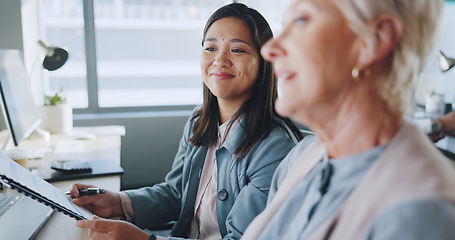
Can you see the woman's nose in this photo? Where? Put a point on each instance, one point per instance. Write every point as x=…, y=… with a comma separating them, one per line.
x=272, y=50
x=222, y=59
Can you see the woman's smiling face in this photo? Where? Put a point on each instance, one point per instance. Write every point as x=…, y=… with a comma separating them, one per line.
x=229, y=60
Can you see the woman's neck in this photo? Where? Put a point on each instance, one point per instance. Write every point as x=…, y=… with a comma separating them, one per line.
x=228, y=109
x=360, y=123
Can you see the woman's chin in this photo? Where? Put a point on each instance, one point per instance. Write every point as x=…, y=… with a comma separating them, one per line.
x=283, y=108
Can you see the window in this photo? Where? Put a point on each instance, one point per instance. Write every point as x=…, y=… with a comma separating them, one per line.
x=148, y=51
x=271, y=10
x=142, y=52
x=64, y=27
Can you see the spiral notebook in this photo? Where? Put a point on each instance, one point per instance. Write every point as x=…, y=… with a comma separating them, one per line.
x=22, y=180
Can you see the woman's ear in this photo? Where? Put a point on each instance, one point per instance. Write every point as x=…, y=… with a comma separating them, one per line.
x=387, y=30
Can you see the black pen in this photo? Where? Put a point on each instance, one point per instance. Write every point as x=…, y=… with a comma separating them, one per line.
x=89, y=191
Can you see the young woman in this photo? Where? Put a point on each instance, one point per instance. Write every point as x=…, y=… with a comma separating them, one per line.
x=230, y=147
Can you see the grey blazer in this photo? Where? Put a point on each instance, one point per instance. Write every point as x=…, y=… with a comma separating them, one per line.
x=243, y=186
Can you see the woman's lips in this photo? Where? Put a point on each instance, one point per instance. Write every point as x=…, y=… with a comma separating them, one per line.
x=285, y=76
x=222, y=75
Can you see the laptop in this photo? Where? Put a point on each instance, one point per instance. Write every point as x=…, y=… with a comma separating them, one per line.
x=21, y=217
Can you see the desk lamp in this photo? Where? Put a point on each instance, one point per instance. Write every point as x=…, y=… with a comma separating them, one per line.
x=55, y=56
x=445, y=63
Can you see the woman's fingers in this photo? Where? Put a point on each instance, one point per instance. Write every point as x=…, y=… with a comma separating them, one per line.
x=76, y=187
x=100, y=229
x=97, y=224
x=85, y=200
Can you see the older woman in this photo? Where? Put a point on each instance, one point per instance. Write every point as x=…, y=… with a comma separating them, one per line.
x=230, y=147
x=347, y=67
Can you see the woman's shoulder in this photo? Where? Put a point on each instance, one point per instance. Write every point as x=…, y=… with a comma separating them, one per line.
x=407, y=219
x=280, y=128
x=295, y=152
x=280, y=136
x=187, y=131
x=194, y=116
x=195, y=113
x=284, y=167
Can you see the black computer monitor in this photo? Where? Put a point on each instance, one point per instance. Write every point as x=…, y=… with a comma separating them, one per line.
x=20, y=109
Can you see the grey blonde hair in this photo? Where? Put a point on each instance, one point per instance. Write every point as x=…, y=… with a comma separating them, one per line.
x=421, y=20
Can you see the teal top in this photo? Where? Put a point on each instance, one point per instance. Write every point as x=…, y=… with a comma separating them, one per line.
x=323, y=191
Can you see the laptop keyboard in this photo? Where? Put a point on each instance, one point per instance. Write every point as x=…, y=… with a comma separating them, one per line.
x=7, y=201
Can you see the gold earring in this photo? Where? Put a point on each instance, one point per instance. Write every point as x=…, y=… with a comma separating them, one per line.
x=355, y=73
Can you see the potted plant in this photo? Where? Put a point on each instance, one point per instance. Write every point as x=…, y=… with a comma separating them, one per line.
x=56, y=114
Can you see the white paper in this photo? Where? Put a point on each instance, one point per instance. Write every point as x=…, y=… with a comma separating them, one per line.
x=16, y=172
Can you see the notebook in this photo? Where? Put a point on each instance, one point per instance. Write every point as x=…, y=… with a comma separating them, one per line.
x=22, y=180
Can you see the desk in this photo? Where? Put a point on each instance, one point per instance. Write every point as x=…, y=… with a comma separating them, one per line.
x=60, y=226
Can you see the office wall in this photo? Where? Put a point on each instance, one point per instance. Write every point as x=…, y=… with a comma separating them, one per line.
x=149, y=146
x=10, y=25
x=20, y=29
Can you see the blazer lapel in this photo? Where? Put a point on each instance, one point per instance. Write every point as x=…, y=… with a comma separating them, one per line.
x=189, y=197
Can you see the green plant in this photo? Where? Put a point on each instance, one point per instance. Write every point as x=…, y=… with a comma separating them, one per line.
x=57, y=99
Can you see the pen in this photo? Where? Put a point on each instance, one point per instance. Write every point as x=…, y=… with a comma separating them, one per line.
x=89, y=191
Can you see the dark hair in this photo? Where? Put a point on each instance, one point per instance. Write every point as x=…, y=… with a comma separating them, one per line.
x=258, y=110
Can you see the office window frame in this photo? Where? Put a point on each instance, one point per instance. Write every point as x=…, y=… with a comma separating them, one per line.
x=92, y=72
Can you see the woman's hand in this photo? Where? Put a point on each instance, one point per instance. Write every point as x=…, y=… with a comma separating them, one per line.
x=111, y=229
x=105, y=205
x=448, y=123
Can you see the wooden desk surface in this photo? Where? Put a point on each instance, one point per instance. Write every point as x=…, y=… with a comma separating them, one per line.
x=60, y=226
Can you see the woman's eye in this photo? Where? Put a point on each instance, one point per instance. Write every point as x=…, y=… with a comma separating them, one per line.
x=237, y=50
x=300, y=21
x=210, y=49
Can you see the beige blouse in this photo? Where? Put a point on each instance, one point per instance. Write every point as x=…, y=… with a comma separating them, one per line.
x=205, y=222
